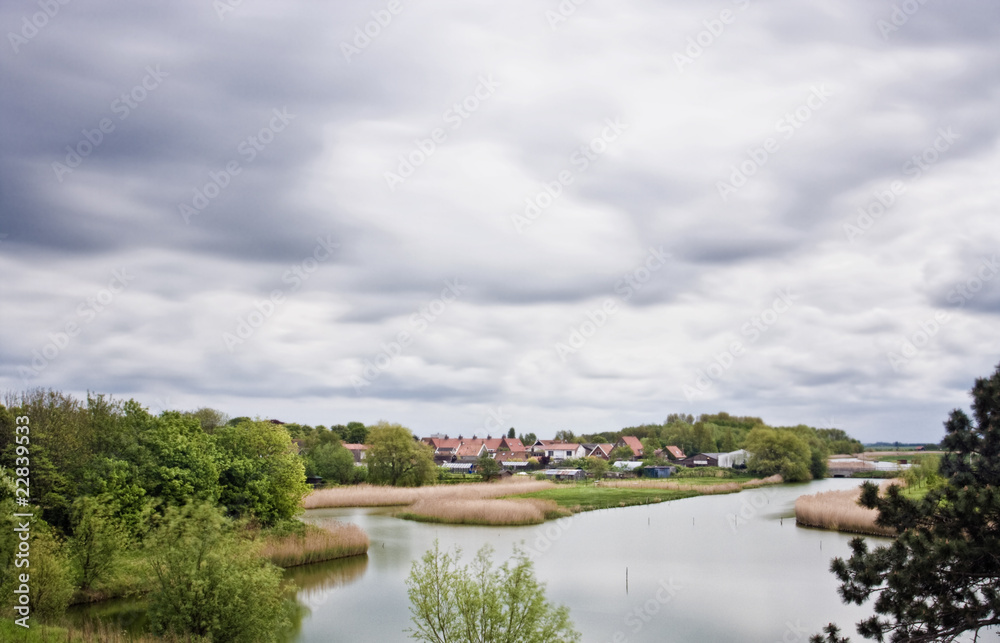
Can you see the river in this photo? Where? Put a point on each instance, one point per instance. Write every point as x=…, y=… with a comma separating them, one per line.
x=711, y=568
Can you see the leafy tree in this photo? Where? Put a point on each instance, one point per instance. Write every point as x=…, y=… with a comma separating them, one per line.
x=529, y=439
x=260, y=476
x=333, y=463
x=778, y=451
x=116, y=484
x=96, y=542
x=395, y=458
x=488, y=467
x=210, y=419
x=511, y=433
x=623, y=452
x=209, y=584
x=180, y=460
x=940, y=578
x=565, y=435
x=482, y=604
x=357, y=433
x=596, y=467
x=51, y=585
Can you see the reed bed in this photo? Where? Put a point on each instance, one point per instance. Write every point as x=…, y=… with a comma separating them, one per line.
x=839, y=511
x=316, y=543
x=366, y=495
x=702, y=489
x=489, y=511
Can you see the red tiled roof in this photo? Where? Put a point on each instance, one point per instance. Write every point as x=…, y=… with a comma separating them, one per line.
x=470, y=448
x=633, y=443
x=675, y=452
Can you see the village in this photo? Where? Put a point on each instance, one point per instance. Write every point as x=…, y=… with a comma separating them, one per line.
x=554, y=458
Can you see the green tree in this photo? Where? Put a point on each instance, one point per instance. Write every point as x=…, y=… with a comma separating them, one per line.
x=940, y=578
x=778, y=451
x=596, y=467
x=357, y=433
x=51, y=585
x=260, y=475
x=511, y=433
x=482, y=604
x=621, y=453
x=180, y=462
x=488, y=467
x=529, y=439
x=395, y=458
x=96, y=542
x=333, y=463
x=209, y=584
x=210, y=419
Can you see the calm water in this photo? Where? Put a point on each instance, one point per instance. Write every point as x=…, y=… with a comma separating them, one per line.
x=711, y=568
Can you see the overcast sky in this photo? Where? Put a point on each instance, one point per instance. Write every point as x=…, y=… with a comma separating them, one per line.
x=468, y=215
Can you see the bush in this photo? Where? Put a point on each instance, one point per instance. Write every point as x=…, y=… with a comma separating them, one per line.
x=211, y=585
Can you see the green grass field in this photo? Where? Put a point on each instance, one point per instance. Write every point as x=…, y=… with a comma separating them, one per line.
x=588, y=497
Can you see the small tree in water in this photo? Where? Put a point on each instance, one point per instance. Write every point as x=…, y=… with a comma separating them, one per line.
x=478, y=603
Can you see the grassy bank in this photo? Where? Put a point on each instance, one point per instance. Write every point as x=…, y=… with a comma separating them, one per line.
x=577, y=498
x=9, y=631
x=839, y=511
x=607, y=494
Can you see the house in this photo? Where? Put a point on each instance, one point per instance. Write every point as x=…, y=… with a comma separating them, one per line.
x=558, y=451
x=724, y=460
x=511, y=444
x=357, y=450
x=674, y=453
x=444, y=448
x=701, y=460
x=470, y=451
x=602, y=451
x=631, y=442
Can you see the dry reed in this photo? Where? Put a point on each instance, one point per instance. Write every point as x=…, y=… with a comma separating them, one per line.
x=326, y=541
x=524, y=511
x=840, y=511
x=365, y=495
